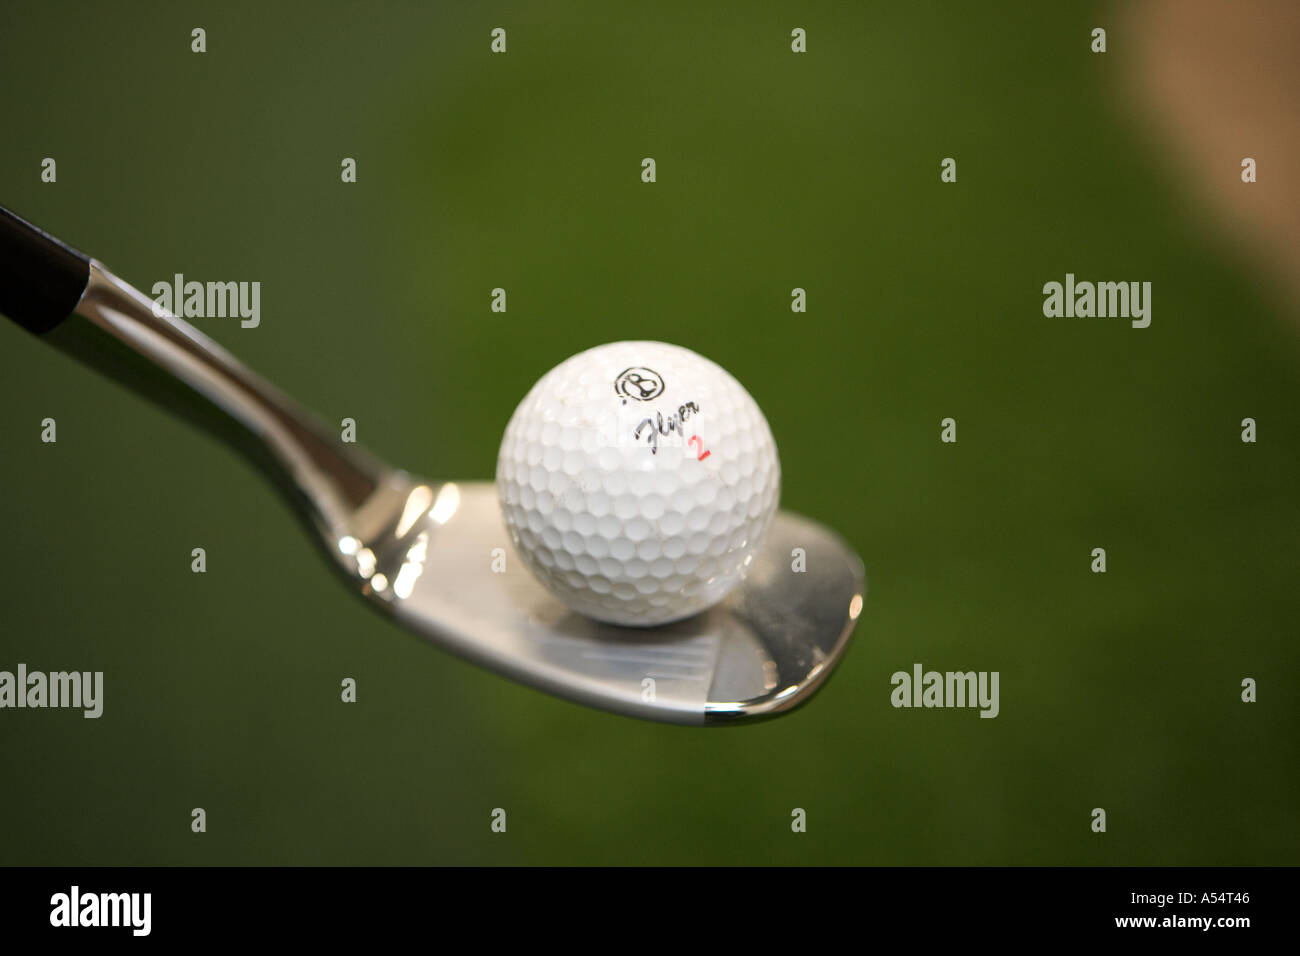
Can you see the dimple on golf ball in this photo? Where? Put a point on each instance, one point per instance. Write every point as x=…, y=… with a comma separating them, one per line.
x=636, y=480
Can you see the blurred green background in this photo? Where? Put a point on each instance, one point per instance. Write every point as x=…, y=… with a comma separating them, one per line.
x=775, y=170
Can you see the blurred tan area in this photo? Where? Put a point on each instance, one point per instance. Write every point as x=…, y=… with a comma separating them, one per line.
x=1219, y=81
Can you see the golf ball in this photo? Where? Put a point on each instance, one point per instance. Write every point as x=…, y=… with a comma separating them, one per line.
x=636, y=480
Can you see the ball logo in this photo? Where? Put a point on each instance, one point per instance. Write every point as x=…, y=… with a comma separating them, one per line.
x=641, y=384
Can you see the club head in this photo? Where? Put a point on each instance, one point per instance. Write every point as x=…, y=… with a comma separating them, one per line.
x=439, y=559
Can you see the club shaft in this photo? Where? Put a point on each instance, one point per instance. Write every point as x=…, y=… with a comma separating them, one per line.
x=77, y=305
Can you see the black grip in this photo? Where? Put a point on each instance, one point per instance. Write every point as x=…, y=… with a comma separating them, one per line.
x=41, y=279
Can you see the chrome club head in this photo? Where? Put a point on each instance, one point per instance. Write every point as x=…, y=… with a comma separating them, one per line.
x=430, y=561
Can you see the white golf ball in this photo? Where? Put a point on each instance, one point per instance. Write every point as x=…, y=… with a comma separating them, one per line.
x=636, y=480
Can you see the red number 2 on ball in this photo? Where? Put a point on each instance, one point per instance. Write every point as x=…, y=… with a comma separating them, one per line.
x=695, y=440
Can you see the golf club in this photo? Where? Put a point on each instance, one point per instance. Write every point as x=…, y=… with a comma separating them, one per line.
x=423, y=550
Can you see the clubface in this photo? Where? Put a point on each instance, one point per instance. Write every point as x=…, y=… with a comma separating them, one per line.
x=448, y=571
